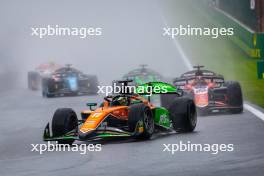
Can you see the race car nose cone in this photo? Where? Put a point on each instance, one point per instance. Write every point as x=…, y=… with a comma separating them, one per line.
x=85, y=135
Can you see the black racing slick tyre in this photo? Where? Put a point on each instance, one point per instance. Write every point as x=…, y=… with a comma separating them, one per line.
x=183, y=114
x=48, y=88
x=33, y=80
x=64, y=121
x=234, y=96
x=141, y=113
x=167, y=99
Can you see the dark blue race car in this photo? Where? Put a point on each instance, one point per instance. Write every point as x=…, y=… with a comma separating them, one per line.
x=68, y=81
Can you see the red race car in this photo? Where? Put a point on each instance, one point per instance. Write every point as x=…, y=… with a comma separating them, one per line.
x=43, y=70
x=211, y=93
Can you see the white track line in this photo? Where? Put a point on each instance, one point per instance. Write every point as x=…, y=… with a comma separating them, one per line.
x=254, y=111
x=188, y=64
x=184, y=57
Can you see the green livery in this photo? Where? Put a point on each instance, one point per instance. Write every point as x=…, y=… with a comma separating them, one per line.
x=162, y=117
x=156, y=88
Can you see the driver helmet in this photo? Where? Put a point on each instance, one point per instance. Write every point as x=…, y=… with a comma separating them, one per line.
x=122, y=101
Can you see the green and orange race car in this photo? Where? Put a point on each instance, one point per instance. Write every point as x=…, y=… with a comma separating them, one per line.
x=124, y=115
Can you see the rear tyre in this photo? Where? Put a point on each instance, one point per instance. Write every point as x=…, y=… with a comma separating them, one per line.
x=47, y=88
x=167, y=99
x=64, y=121
x=183, y=114
x=234, y=96
x=141, y=113
x=33, y=80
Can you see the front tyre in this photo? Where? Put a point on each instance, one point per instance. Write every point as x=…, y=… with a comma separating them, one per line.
x=64, y=121
x=183, y=114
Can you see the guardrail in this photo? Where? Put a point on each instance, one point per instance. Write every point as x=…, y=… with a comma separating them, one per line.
x=252, y=43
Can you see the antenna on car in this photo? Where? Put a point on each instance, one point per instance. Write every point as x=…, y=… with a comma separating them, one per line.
x=68, y=65
x=198, y=67
x=124, y=84
x=198, y=72
x=143, y=66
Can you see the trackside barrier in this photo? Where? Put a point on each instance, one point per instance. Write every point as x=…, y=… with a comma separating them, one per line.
x=252, y=43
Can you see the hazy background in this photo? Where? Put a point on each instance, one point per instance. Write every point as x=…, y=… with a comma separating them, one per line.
x=132, y=35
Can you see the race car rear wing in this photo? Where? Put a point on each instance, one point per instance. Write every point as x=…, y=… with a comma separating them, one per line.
x=184, y=81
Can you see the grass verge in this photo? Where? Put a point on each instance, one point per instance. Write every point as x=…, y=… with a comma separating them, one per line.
x=220, y=55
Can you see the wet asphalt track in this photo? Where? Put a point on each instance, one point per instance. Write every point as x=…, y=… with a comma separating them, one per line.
x=22, y=123
x=24, y=115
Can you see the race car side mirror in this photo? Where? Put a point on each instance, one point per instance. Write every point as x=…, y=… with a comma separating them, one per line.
x=91, y=105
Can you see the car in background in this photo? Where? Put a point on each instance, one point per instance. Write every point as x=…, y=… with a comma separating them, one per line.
x=69, y=81
x=43, y=70
x=211, y=93
x=143, y=75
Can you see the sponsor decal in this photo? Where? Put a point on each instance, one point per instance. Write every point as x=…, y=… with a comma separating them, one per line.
x=96, y=115
x=201, y=97
x=164, y=119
